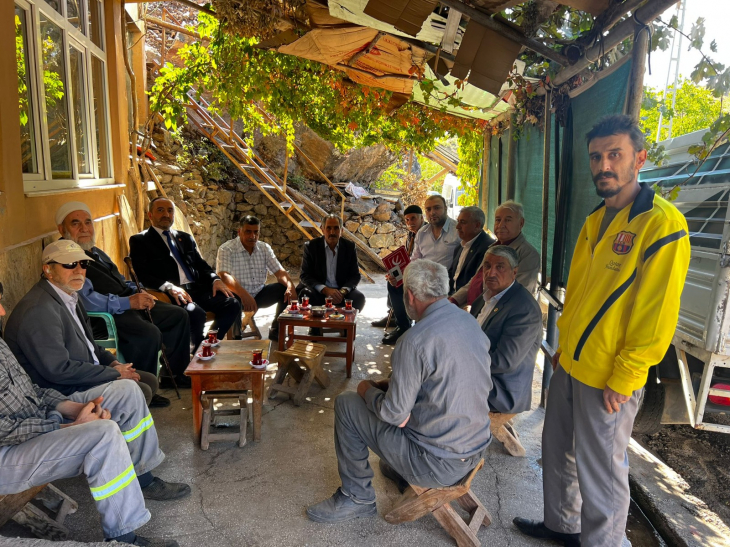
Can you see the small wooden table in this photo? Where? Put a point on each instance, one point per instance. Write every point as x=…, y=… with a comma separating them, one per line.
x=348, y=324
x=229, y=371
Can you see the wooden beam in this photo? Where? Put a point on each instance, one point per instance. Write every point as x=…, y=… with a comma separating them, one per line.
x=164, y=24
x=188, y=3
x=646, y=14
x=443, y=161
x=437, y=175
x=507, y=31
x=452, y=27
x=638, y=68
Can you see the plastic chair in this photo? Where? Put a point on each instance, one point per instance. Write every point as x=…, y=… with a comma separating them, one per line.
x=111, y=341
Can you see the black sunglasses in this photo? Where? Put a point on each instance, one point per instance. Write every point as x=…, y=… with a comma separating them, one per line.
x=83, y=263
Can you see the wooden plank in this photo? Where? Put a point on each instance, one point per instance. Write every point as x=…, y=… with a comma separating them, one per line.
x=10, y=504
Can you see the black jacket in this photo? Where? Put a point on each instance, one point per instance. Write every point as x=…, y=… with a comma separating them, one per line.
x=155, y=265
x=314, y=265
x=105, y=276
x=472, y=262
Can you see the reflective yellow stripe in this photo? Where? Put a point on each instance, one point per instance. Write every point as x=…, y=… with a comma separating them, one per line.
x=142, y=426
x=114, y=485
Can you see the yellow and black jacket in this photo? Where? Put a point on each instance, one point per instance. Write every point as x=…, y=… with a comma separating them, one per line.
x=622, y=298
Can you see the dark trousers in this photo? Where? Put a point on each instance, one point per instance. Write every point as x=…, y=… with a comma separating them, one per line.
x=357, y=429
x=140, y=341
x=227, y=311
x=317, y=299
x=268, y=296
x=399, y=307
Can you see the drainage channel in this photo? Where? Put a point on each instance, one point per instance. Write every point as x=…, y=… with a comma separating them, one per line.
x=640, y=531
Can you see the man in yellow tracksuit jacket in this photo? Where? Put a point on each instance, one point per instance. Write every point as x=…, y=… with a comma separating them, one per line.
x=620, y=312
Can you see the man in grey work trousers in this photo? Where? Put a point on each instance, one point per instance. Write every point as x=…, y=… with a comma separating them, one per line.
x=430, y=422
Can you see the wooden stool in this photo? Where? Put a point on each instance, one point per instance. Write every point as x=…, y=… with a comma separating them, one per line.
x=310, y=357
x=209, y=414
x=248, y=321
x=18, y=508
x=417, y=502
x=504, y=431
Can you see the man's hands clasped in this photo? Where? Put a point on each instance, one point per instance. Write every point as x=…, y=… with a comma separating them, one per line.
x=334, y=294
x=82, y=413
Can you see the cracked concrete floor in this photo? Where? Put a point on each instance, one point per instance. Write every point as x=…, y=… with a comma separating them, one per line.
x=256, y=495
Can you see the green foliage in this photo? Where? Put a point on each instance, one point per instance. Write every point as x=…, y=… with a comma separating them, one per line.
x=695, y=108
x=470, y=164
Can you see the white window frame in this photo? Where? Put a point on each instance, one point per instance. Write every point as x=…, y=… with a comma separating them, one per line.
x=43, y=181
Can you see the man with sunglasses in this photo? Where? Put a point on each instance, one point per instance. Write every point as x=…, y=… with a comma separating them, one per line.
x=106, y=290
x=50, y=334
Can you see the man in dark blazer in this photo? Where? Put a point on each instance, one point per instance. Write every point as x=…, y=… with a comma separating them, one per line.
x=50, y=334
x=106, y=290
x=512, y=320
x=168, y=260
x=329, y=267
x=474, y=243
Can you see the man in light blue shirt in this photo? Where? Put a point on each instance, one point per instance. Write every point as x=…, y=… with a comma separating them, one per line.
x=430, y=422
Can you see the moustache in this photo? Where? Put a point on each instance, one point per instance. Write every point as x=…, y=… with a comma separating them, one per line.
x=605, y=175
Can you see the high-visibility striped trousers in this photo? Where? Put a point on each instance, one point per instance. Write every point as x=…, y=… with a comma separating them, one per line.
x=111, y=453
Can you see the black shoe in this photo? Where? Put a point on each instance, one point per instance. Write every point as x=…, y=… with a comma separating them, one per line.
x=158, y=401
x=392, y=337
x=390, y=473
x=340, y=508
x=315, y=331
x=154, y=542
x=182, y=382
x=274, y=335
x=380, y=322
x=537, y=529
x=163, y=491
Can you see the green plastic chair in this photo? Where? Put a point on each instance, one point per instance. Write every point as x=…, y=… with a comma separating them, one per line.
x=111, y=341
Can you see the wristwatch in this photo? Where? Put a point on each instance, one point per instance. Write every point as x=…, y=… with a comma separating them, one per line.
x=344, y=291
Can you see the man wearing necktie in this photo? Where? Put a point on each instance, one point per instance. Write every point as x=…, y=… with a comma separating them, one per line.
x=168, y=260
x=106, y=290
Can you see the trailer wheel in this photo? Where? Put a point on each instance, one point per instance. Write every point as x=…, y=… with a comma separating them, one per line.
x=651, y=407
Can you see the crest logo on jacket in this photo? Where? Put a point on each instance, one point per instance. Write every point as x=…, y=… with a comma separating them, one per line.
x=623, y=243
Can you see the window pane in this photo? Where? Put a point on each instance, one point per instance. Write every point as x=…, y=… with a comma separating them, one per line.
x=73, y=13
x=54, y=81
x=78, y=103
x=95, y=26
x=27, y=127
x=55, y=4
x=102, y=130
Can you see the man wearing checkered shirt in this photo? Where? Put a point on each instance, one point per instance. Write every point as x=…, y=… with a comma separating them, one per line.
x=244, y=263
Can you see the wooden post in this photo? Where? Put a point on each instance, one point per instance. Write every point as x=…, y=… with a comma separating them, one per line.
x=545, y=186
x=638, y=68
x=164, y=37
x=286, y=170
x=485, y=171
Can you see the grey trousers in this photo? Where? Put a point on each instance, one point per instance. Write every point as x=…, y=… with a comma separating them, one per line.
x=585, y=464
x=357, y=429
x=111, y=453
x=148, y=384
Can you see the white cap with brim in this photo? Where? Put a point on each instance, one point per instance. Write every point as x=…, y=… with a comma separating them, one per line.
x=64, y=251
x=67, y=208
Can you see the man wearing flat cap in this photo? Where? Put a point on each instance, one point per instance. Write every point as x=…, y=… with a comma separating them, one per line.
x=413, y=217
x=106, y=290
x=50, y=334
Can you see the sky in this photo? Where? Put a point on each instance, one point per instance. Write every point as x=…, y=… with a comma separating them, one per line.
x=717, y=18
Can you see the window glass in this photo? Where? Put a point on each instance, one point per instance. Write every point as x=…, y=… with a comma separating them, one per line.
x=95, y=26
x=55, y=4
x=78, y=103
x=73, y=13
x=25, y=99
x=54, y=81
x=102, y=141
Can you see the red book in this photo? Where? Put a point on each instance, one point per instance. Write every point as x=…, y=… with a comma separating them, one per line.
x=396, y=262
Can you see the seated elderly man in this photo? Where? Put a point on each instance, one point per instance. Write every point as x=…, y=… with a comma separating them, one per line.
x=474, y=242
x=430, y=422
x=106, y=290
x=511, y=318
x=509, y=220
x=50, y=334
x=46, y=436
x=243, y=264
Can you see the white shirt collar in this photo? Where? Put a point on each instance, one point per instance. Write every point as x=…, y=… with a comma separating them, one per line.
x=68, y=299
x=468, y=244
x=160, y=231
x=498, y=296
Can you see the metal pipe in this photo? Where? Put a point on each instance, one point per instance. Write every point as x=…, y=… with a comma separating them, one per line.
x=545, y=187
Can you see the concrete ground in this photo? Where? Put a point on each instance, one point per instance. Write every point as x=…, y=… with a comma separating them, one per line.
x=257, y=495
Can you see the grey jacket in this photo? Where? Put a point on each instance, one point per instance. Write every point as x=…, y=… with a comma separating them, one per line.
x=514, y=329
x=50, y=346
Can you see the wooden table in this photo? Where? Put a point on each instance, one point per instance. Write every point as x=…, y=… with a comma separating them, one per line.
x=348, y=324
x=229, y=371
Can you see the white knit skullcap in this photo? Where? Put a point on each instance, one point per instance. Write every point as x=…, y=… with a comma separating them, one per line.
x=68, y=208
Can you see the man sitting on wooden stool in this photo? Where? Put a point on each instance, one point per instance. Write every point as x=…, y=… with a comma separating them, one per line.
x=47, y=436
x=430, y=422
x=243, y=264
x=511, y=318
x=329, y=268
x=169, y=260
